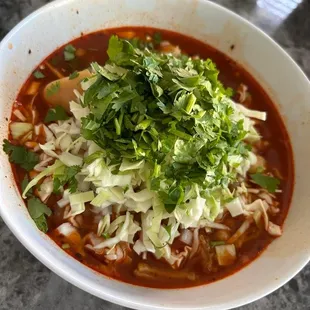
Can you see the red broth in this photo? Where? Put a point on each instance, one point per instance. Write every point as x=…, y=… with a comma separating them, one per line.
x=278, y=155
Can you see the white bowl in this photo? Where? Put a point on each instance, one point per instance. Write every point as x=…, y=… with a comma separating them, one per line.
x=61, y=21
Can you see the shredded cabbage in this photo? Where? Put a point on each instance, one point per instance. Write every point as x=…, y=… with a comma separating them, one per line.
x=48, y=171
x=81, y=197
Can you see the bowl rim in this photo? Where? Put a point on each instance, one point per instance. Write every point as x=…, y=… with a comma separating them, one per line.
x=79, y=281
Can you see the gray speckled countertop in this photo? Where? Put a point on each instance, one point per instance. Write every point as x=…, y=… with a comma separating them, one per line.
x=26, y=284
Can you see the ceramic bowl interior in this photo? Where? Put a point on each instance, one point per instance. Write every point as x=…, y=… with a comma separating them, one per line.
x=63, y=20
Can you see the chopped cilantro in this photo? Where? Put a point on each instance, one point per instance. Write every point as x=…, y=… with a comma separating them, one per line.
x=172, y=112
x=56, y=114
x=24, y=184
x=41, y=223
x=19, y=155
x=157, y=38
x=265, y=181
x=38, y=212
x=66, y=176
x=69, y=52
x=53, y=89
x=38, y=75
x=74, y=75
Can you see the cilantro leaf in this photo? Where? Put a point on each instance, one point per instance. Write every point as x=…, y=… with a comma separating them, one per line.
x=157, y=38
x=38, y=212
x=56, y=114
x=53, y=89
x=115, y=47
x=36, y=208
x=19, y=155
x=119, y=51
x=41, y=223
x=265, y=181
x=38, y=75
x=24, y=184
x=67, y=177
x=74, y=75
x=174, y=197
x=69, y=52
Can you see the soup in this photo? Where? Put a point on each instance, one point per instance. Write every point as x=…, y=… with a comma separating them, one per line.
x=151, y=157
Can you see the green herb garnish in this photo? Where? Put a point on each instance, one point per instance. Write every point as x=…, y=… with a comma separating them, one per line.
x=24, y=184
x=157, y=38
x=66, y=176
x=53, y=89
x=269, y=183
x=69, y=52
x=74, y=75
x=19, y=155
x=56, y=114
x=38, y=75
x=38, y=212
x=173, y=112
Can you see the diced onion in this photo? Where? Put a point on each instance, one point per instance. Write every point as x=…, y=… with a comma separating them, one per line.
x=206, y=223
x=235, y=207
x=63, y=202
x=77, y=208
x=226, y=254
x=186, y=236
x=19, y=115
x=45, y=189
x=70, y=233
x=195, y=244
x=42, y=165
x=19, y=129
x=37, y=129
x=48, y=134
x=274, y=230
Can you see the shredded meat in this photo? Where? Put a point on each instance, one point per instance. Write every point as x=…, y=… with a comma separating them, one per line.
x=207, y=255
